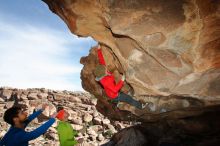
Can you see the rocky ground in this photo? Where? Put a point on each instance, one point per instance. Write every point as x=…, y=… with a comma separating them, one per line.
x=94, y=128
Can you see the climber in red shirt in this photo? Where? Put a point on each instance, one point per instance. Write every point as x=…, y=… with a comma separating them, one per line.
x=112, y=88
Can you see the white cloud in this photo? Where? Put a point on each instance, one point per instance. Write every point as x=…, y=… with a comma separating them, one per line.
x=38, y=57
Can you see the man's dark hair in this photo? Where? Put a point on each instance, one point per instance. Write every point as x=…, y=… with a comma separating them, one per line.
x=10, y=114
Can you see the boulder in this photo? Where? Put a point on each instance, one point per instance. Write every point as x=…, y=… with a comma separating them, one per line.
x=87, y=117
x=166, y=49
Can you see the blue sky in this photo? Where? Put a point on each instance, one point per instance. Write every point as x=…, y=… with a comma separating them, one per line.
x=37, y=49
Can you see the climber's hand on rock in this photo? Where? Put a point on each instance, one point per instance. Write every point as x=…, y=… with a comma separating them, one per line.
x=99, y=47
x=123, y=78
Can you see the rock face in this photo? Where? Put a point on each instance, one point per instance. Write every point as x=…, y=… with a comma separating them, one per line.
x=193, y=131
x=168, y=50
x=163, y=47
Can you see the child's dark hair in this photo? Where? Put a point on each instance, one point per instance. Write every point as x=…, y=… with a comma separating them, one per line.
x=10, y=114
x=59, y=108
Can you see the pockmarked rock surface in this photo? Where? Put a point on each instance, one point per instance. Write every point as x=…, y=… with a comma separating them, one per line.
x=168, y=50
x=165, y=48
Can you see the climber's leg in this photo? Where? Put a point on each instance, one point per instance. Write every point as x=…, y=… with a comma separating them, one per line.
x=128, y=99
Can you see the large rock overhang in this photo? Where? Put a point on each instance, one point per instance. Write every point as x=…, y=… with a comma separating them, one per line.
x=168, y=50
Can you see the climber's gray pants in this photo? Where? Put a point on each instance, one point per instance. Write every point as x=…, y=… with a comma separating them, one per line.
x=122, y=97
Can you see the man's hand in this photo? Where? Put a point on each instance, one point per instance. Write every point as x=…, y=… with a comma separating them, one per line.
x=53, y=115
x=44, y=106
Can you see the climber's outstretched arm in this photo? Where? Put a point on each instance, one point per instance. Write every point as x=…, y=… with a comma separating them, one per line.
x=100, y=56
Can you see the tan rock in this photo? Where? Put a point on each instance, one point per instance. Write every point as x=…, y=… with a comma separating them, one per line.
x=75, y=99
x=120, y=126
x=77, y=127
x=97, y=121
x=87, y=117
x=96, y=128
x=6, y=94
x=2, y=133
x=112, y=128
x=77, y=120
x=106, y=121
x=92, y=132
x=94, y=101
x=32, y=96
x=9, y=104
x=2, y=100
x=23, y=97
x=101, y=137
x=95, y=113
x=42, y=95
x=59, y=96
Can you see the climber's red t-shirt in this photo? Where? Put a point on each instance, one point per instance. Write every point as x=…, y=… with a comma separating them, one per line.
x=108, y=81
x=110, y=87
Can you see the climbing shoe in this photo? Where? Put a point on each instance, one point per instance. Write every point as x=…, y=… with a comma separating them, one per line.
x=152, y=107
x=144, y=105
x=119, y=104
